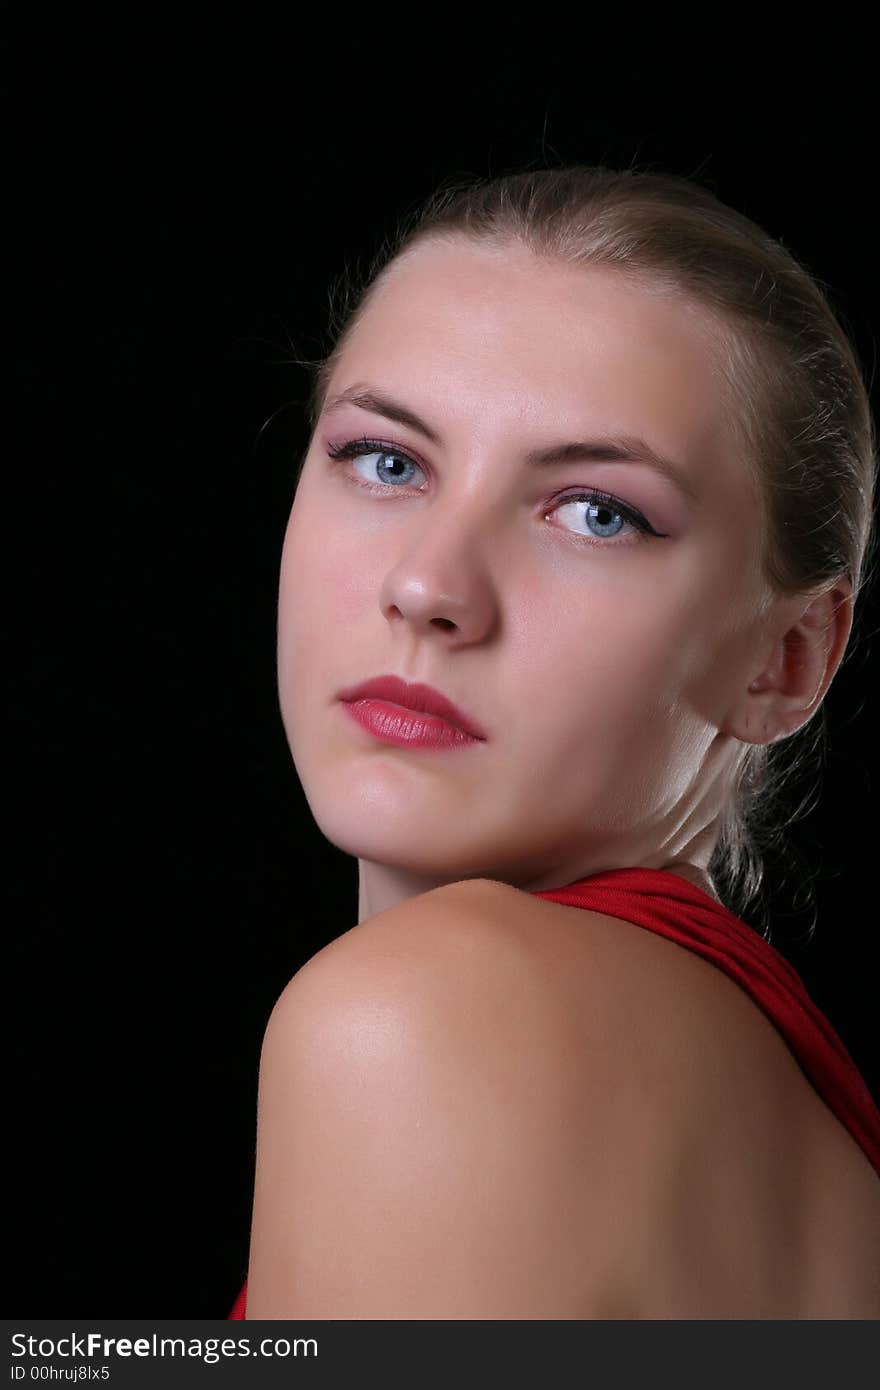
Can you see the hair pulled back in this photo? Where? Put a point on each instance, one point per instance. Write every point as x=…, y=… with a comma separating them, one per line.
x=795, y=400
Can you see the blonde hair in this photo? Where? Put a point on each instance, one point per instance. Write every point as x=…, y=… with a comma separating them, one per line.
x=796, y=400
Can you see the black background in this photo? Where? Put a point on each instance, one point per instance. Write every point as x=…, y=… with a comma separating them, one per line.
x=177, y=220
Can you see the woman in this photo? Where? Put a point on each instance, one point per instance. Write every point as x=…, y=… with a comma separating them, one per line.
x=593, y=459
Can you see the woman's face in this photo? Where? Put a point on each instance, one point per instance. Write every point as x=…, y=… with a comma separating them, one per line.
x=601, y=660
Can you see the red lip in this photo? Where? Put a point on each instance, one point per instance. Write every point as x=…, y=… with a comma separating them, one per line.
x=416, y=697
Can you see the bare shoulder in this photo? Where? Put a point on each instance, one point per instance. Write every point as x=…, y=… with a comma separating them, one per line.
x=753, y=1199
x=480, y=964
x=682, y=1073
x=484, y=1104
x=416, y=1156
x=441, y=976
x=456, y=939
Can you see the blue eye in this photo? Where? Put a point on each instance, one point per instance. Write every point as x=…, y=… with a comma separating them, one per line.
x=367, y=448
x=603, y=510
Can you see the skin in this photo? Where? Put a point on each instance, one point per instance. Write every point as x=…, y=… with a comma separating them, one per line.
x=617, y=681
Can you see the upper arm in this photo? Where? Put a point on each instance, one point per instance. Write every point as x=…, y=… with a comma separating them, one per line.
x=413, y=1156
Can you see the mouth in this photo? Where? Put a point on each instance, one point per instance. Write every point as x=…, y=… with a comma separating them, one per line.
x=415, y=698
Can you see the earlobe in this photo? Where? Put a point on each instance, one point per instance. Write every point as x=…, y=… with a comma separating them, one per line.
x=811, y=640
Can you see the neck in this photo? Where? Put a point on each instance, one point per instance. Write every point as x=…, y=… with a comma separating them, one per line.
x=381, y=887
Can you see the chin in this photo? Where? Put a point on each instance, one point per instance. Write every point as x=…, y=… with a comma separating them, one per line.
x=399, y=841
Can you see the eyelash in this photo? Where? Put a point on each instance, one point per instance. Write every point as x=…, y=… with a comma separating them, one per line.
x=357, y=448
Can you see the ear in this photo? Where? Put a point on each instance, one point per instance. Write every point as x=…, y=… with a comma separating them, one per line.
x=806, y=646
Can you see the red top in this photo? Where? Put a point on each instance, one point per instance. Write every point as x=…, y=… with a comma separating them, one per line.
x=674, y=907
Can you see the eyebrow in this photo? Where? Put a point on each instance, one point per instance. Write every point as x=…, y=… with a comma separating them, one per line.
x=616, y=448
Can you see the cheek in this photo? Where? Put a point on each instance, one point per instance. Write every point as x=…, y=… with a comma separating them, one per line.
x=620, y=629
x=634, y=644
x=322, y=589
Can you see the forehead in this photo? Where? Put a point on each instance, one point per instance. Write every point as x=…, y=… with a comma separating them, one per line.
x=479, y=333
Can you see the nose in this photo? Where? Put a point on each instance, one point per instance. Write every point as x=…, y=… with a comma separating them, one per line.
x=441, y=582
